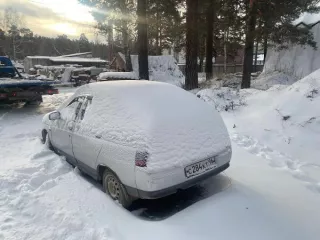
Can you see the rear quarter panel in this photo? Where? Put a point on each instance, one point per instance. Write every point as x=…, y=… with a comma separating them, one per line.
x=121, y=160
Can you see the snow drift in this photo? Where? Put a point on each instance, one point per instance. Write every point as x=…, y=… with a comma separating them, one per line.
x=287, y=118
x=161, y=68
x=298, y=60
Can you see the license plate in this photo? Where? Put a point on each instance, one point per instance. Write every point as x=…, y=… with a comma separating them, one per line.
x=200, y=167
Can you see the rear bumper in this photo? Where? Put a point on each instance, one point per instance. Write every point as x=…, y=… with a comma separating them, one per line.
x=173, y=189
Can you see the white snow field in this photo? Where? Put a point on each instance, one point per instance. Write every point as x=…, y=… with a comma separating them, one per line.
x=271, y=190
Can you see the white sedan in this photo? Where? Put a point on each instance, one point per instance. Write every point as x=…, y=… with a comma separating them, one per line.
x=142, y=139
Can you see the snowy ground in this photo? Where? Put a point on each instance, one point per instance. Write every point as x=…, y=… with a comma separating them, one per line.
x=263, y=195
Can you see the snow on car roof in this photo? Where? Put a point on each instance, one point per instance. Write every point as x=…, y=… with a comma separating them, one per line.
x=170, y=123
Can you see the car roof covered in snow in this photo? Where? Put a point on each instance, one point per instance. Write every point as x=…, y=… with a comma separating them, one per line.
x=167, y=121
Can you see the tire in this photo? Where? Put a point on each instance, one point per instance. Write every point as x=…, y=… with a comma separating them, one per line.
x=115, y=189
x=46, y=140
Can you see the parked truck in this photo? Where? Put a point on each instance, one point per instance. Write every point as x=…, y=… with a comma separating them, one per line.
x=15, y=88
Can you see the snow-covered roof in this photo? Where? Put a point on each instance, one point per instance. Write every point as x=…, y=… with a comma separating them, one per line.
x=39, y=57
x=76, y=54
x=73, y=59
x=308, y=19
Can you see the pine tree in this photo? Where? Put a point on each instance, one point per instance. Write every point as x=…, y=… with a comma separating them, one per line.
x=249, y=45
x=84, y=45
x=277, y=28
x=164, y=24
x=122, y=13
x=210, y=18
x=191, y=80
x=143, y=39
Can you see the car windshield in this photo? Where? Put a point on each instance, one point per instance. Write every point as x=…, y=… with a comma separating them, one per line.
x=160, y=119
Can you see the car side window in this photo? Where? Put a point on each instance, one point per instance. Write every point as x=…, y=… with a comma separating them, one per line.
x=83, y=109
x=71, y=110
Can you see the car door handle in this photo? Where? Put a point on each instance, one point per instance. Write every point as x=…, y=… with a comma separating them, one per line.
x=98, y=136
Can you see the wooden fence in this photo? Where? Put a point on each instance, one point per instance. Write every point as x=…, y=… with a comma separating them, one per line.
x=219, y=68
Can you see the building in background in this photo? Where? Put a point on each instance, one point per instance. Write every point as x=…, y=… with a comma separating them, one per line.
x=79, y=59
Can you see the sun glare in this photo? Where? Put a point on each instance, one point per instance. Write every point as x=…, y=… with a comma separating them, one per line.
x=64, y=28
x=69, y=9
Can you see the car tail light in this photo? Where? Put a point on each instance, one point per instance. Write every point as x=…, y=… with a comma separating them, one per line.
x=3, y=95
x=52, y=91
x=14, y=94
x=141, y=159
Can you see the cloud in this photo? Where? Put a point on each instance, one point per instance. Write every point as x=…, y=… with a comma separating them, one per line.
x=41, y=19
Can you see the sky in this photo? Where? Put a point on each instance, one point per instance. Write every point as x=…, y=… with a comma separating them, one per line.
x=54, y=17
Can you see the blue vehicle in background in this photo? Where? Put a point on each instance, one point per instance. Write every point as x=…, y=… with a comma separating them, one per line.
x=15, y=88
x=7, y=69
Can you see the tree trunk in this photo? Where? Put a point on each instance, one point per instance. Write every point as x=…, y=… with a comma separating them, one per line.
x=225, y=39
x=125, y=36
x=126, y=47
x=265, y=47
x=256, y=56
x=191, y=81
x=157, y=34
x=201, y=61
x=249, y=45
x=209, y=43
x=160, y=39
x=143, y=39
x=110, y=39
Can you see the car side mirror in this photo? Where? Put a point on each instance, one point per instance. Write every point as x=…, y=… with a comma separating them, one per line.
x=54, y=116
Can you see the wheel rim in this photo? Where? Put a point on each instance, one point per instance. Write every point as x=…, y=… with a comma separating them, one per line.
x=113, y=187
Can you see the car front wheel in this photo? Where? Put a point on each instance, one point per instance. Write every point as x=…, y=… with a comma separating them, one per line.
x=46, y=139
x=115, y=189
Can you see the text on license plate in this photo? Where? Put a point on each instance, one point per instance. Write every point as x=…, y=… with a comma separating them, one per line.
x=200, y=167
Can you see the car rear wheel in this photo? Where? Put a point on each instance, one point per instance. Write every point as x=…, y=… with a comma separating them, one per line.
x=115, y=189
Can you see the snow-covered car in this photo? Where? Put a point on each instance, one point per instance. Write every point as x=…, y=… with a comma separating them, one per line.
x=142, y=139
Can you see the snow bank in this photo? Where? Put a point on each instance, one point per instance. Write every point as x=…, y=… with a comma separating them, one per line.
x=270, y=79
x=280, y=123
x=225, y=99
x=171, y=124
x=162, y=69
x=297, y=61
x=286, y=118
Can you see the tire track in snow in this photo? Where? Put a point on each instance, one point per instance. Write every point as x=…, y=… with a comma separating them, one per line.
x=307, y=173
